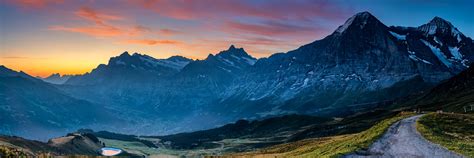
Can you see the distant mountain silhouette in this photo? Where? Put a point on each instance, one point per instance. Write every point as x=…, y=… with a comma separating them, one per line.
x=57, y=78
x=36, y=109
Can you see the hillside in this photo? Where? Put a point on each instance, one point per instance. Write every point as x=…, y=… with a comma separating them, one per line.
x=273, y=129
x=73, y=144
x=454, y=95
x=333, y=146
x=35, y=109
x=247, y=135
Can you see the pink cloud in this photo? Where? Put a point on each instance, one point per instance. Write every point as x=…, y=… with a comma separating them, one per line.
x=298, y=20
x=34, y=4
x=96, y=31
x=102, y=25
x=277, y=9
x=140, y=28
x=269, y=28
x=92, y=15
x=150, y=42
x=168, y=32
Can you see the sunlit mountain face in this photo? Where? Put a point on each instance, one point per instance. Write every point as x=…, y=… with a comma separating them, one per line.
x=184, y=75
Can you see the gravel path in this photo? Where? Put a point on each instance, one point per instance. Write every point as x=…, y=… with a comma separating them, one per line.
x=403, y=140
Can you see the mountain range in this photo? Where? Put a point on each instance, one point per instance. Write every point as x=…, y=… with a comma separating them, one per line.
x=362, y=65
x=56, y=78
x=36, y=109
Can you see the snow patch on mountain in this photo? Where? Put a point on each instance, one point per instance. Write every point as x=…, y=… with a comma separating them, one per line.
x=119, y=62
x=346, y=25
x=226, y=61
x=412, y=56
x=455, y=52
x=437, y=52
x=56, y=78
x=398, y=36
x=441, y=25
x=438, y=41
x=455, y=32
x=178, y=65
x=250, y=61
x=170, y=63
x=430, y=29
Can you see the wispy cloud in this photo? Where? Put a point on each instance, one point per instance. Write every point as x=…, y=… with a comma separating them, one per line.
x=100, y=27
x=96, y=31
x=255, y=23
x=140, y=28
x=20, y=57
x=98, y=17
x=168, y=32
x=33, y=4
x=269, y=28
x=277, y=9
x=150, y=42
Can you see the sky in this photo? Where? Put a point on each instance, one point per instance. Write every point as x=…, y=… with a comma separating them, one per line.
x=41, y=37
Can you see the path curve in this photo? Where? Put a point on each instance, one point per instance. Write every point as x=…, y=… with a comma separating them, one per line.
x=403, y=140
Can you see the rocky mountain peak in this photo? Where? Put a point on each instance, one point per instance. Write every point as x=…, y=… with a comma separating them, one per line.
x=233, y=51
x=54, y=75
x=4, y=71
x=236, y=54
x=124, y=54
x=359, y=21
x=440, y=25
x=125, y=59
x=7, y=72
x=122, y=59
x=146, y=62
x=364, y=16
x=56, y=78
x=179, y=58
x=137, y=54
x=232, y=47
x=440, y=22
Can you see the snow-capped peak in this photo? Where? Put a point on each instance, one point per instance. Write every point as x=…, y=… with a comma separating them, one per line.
x=360, y=18
x=233, y=57
x=146, y=62
x=438, y=24
x=234, y=52
x=56, y=78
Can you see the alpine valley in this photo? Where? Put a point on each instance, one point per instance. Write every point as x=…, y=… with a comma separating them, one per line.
x=343, y=83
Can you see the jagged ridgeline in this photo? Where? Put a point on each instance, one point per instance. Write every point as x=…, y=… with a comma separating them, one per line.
x=363, y=64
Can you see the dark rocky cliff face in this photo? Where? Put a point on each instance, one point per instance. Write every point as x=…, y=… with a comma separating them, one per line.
x=362, y=62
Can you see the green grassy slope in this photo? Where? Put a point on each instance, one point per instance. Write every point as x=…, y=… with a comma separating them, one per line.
x=332, y=146
x=453, y=131
x=277, y=127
